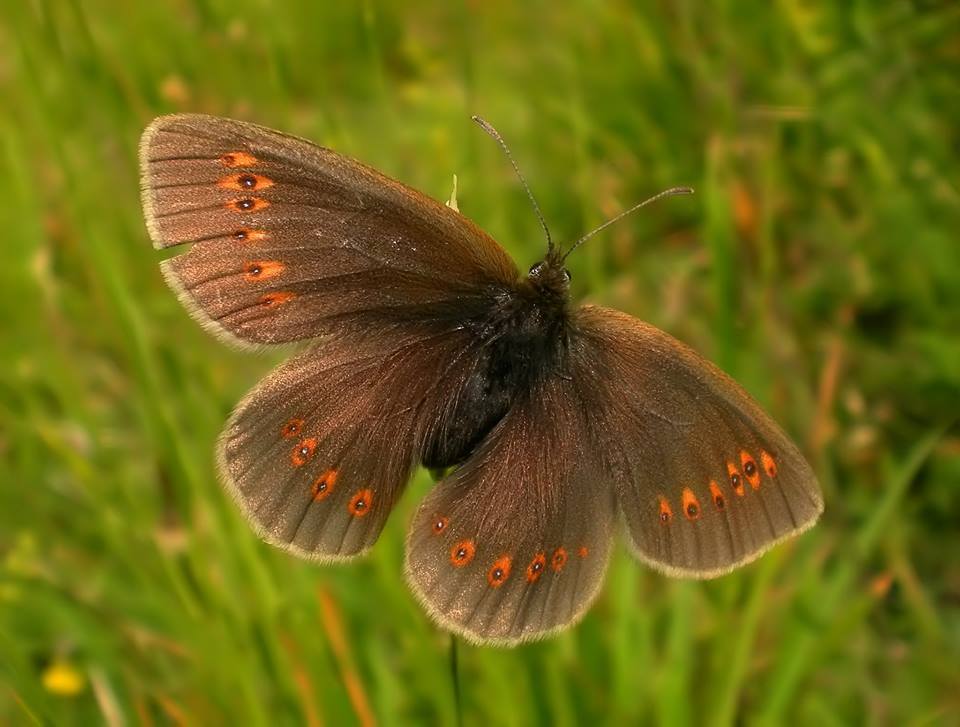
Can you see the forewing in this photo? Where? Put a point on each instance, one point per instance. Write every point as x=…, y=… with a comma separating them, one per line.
x=705, y=479
x=318, y=453
x=291, y=240
x=514, y=544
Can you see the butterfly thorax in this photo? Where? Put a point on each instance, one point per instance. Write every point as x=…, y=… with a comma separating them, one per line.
x=521, y=339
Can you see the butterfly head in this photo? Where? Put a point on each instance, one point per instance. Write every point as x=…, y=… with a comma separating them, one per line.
x=550, y=278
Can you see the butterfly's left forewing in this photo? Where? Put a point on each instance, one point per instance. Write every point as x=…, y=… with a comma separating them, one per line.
x=318, y=453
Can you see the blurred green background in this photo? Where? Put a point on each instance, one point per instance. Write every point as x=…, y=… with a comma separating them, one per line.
x=819, y=263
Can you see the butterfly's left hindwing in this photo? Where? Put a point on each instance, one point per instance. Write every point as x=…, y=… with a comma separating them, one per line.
x=318, y=453
x=705, y=479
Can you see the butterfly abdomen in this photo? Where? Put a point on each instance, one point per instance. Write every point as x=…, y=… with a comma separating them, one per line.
x=520, y=341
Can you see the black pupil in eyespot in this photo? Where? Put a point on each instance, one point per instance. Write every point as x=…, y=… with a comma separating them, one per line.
x=497, y=574
x=461, y=553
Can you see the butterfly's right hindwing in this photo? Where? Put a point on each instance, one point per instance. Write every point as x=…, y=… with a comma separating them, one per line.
x=705, y=479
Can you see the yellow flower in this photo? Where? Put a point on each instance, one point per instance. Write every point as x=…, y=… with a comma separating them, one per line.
x=63, y=679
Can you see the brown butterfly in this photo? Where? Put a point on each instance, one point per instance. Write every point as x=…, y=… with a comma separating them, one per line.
x=427, y=347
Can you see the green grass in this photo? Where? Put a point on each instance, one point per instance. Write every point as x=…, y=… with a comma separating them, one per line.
x=819, y=263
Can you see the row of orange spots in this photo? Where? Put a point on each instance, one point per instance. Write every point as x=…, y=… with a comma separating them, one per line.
x=243, y=182
x=463, y=551
x=323, y=486
x=691, y=505
x=254, y=270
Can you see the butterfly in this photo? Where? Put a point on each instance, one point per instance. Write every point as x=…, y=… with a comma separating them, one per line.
x=427, y=346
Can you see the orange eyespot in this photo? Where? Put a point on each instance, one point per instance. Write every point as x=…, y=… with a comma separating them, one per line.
x=536, y=567
x=558, y=559
x=691, y=505
x=666, y=512
x=439, y=525
x=303, y=452
x=244, y=182
x=247, y=204
x=736, y=482
x=322, y=487
x=291, y=428
x=499, y=571
x=462, y=553
x=238, y=159
x=583, y=551
x=272, y=300
x=750, y=470
x=360, y=503
x=262, y=270
x=717, y=494
x=769, y=464
x=247, y=235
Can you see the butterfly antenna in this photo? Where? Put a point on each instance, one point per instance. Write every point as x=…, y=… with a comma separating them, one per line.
x=665, y=193
x=506, y=150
